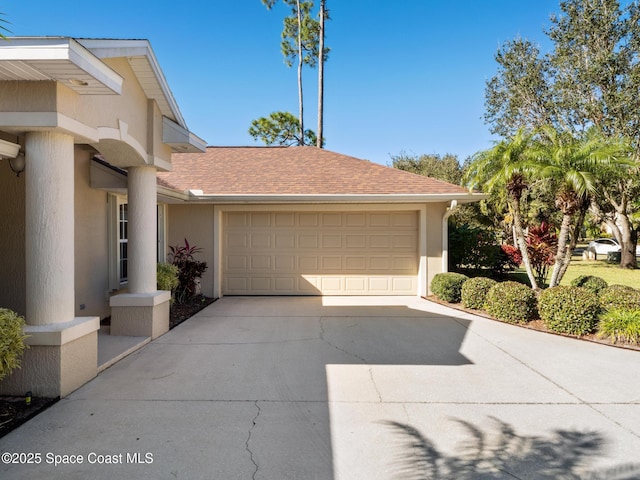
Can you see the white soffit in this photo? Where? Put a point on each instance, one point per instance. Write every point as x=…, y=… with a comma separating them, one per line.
x=146, y=67
x=59, y=59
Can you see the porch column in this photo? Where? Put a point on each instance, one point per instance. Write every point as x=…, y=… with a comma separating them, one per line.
x=143, y=311
x=63, y=348
x=49, y=229
x=142, y=229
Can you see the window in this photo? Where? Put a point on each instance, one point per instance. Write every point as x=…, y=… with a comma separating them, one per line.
x=123, y=242
x=118, y=231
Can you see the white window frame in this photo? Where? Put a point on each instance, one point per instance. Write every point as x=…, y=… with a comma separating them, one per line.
x=114, y=205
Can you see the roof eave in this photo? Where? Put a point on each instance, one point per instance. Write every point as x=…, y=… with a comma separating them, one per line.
x=198, y=197
x=130, y=49
x=79, y=69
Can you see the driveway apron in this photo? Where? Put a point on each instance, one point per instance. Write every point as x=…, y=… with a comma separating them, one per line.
x=343, y=388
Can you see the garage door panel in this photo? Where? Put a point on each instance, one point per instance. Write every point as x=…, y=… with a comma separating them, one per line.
x=285, y=240
x=308, y=220
x=333, y=240
x=285, y=263
x=260, y=240
x=331, y=263
x=237, y=262
x=355, y=241
x=330, y=220
x=338, y=253
x=308, y=240
x=261, y=262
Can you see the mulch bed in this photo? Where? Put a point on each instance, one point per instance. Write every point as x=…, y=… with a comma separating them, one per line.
x=537, y=325
x=181, y=312
x=14, y=411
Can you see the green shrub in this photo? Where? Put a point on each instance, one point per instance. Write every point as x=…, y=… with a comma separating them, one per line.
x=474, y=292
x=11, y=341
x=511, y=302
x=167, y=276
x=448, y=286
x=621, y=297
x=590, y=282
x=568, y=309
x=620, y=326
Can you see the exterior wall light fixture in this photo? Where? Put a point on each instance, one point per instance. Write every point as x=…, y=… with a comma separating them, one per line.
x=17, y=163
x=16, y=157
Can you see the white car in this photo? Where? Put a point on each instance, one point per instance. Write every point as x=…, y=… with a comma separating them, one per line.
x=602, y=246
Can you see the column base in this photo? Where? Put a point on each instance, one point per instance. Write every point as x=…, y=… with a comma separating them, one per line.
x=140, y=314
x=61, y=358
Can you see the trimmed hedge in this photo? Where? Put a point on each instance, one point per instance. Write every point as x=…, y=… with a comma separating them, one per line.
x=448, y=286
x=11, y=341
x=620, y=297
x=511, y=302
x=590, y=282
x=474, y=292
x=620, y=326
x=568, y=309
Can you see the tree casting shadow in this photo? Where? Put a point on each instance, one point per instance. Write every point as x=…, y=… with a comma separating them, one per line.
x=502, y=454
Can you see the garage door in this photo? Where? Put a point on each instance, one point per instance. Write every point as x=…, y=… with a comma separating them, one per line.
x=320, y=253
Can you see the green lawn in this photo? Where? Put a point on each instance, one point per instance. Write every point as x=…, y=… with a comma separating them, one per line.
x=612, y=274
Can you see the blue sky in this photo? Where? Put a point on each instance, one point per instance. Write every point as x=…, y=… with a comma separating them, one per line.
x=405, y=75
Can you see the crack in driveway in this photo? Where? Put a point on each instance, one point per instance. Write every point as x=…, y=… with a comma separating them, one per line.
x=246, y=445
x=322, y=337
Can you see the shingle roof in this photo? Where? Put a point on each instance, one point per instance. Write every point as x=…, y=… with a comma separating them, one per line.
x=292, y=170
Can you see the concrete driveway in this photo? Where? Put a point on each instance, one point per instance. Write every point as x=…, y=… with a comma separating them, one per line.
x=345, y=388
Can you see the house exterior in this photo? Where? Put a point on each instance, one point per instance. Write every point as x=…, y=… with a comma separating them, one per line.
x=113, y=176
x=308, y=221
x=76, y=243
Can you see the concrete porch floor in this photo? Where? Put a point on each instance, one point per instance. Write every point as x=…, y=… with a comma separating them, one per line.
x=112, y=348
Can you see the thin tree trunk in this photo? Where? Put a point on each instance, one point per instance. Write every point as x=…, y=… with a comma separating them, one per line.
x=562, y=250
x=577, y=227
x=321, y=75
x=522, y=244
x=300, y=62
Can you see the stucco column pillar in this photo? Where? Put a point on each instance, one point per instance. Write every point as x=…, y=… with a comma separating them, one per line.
x=49, y=229
x=143, y=311
x=142, y=229
x=63, y=351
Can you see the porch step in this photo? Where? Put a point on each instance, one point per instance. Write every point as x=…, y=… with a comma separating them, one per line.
x=112, y=349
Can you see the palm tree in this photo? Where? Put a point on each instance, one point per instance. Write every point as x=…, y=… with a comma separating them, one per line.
x=573, y=164
x=504, y=167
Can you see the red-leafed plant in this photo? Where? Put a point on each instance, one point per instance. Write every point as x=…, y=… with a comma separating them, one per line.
x=542, y=243
x=514, y=257
x=189, y=269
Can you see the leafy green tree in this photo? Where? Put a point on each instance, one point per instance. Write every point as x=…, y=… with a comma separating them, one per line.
x=504, y=167
x=445, y=167
x=280, y=128
x=589, y=79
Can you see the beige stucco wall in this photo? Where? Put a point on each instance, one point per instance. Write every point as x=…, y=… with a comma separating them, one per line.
x=12, y=259
x=28, y=96
x=128, y=125
x=91, y=247
x=195, y=223
x=435, y=212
